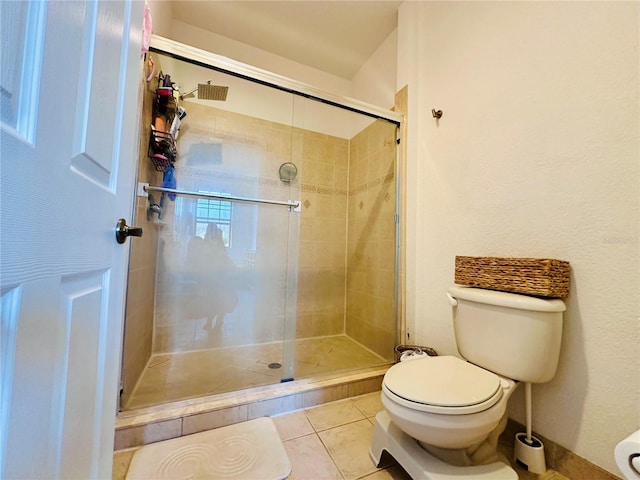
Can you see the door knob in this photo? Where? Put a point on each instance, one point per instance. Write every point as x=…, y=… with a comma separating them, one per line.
x=123, y=231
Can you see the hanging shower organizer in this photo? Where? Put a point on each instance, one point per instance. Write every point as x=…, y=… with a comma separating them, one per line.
x=162, y=144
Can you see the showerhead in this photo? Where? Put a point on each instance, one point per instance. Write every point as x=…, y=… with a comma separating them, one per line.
x=206, y=91
x=212, y=92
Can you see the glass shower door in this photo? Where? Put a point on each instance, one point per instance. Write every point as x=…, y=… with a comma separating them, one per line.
x=225, y=265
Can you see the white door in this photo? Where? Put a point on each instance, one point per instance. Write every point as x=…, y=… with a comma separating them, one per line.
x=70, y=73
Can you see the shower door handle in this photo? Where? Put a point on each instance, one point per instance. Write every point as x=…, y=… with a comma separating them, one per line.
x=123, y=231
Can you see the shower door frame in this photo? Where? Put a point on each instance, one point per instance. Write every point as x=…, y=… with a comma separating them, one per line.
x=222, y=64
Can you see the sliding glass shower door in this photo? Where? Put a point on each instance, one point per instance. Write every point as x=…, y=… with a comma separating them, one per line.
x=226, y=259
x=273, y=255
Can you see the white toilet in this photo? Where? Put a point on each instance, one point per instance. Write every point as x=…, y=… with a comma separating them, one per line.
x=443, y=415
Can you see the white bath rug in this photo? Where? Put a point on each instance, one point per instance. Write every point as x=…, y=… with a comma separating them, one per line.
x=248, y=451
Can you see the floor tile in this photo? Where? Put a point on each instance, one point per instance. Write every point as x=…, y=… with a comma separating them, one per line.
x=292, y=425
x=370, y=404
x=309, y=459
x=348, y=446
x=340, y=448
x=333, y=414
x=392, y=473
x=121, y=462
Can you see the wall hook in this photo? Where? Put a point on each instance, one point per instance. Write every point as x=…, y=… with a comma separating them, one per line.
x=436, y=114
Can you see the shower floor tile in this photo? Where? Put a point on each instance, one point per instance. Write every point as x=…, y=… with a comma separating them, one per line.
x=169, y=377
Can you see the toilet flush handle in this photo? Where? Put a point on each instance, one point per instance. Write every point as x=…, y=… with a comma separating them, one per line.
x=452, y=301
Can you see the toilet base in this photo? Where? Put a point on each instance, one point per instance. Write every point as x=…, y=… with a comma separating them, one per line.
x=421, y=465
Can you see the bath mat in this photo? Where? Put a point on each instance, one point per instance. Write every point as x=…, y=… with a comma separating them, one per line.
x=249, y=450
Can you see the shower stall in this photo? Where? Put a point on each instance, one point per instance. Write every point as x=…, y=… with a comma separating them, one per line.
x=270, y=232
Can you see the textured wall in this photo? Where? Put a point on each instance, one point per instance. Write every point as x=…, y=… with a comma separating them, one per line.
x=536, y=155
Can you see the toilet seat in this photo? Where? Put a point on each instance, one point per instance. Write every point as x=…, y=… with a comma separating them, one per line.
x=444, y=385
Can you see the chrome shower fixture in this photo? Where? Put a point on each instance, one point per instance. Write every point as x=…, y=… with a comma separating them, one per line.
x=288, y=171
x=206, y=91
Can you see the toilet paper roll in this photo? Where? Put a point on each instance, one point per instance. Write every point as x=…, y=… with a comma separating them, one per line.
x=627, y=456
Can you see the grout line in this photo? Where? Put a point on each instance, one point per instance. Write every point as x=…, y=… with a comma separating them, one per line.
x=330, y=456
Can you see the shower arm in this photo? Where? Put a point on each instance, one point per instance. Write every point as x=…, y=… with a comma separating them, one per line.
x=295, y=206
x=185, y=95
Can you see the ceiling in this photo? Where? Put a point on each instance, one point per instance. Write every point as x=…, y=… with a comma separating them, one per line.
x=332, y=35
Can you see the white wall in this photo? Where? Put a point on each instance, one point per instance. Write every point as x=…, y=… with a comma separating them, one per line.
x=536, y=155
x=375, y=82
x=211, y=42
x=161, y=16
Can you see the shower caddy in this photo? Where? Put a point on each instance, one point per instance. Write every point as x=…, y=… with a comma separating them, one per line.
x=162, y=144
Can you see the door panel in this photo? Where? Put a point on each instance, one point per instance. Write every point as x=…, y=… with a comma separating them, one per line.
x=63, y=274
x=82, y=370
x=30, y=428
x=96, y=124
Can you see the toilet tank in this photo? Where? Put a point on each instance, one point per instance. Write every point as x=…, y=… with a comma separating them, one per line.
x=513, y=335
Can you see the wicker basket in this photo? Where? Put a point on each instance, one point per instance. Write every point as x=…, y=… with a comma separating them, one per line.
x=530, y=276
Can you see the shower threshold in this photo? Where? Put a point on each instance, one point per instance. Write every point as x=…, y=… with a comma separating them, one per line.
x=162, y=422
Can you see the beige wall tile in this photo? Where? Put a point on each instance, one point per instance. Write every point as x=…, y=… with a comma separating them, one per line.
x=141, y=281
x=368, y=385
x=324, y=395
x=149, y=433
x=275, y=406
x=215, y=419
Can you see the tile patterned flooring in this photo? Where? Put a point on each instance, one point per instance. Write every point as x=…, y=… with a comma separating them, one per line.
x=179, y=376
x=332, y=441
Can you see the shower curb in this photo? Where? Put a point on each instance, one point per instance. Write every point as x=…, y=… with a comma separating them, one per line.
x=153, y=424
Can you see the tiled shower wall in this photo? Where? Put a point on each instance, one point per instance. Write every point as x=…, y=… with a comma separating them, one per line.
x=138, y=327
x=324, y=165
x=320, y=186
x=347, y=194
x=370, y=318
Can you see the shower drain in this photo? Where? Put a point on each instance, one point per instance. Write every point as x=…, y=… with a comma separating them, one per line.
x=275, y=365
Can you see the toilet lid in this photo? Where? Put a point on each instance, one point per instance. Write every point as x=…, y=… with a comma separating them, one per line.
x=445, y=383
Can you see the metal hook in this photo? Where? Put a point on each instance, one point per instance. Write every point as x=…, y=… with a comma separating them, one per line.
x=436, y=114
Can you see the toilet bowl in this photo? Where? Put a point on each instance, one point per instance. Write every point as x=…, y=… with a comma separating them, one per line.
x=457, y=406
x=444, y=415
